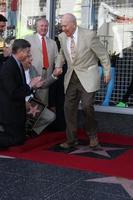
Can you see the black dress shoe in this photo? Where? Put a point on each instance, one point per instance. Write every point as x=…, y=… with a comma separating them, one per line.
x=31, y=134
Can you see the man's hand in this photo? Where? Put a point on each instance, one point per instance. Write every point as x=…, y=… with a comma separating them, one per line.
x=57, y=71
x=36, y=82
x=106, y=79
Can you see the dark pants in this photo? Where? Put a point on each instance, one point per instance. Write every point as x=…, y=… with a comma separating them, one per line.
x=75, y=92
x=12, y=134
x=128, y=93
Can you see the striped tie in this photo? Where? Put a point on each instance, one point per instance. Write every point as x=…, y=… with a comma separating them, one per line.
x=72, y=48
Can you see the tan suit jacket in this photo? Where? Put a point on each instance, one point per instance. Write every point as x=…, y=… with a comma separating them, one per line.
x=85, y=64
x=36, y=51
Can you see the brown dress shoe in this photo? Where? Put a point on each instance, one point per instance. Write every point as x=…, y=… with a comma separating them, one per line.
x=67, y=145
x=93, y=141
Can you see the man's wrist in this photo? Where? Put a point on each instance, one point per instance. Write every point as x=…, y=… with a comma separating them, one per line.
x=54, y=77
x=33, y=90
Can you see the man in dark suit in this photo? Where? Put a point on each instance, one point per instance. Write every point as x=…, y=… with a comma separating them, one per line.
x=13, y=90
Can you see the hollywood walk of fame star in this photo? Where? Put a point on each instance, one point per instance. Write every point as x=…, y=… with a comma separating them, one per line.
x=125, y=183
x=3, y=156
x=103, y=151
x=33, y=110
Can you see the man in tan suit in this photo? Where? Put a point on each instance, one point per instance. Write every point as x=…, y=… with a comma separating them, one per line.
x=82, y=49
x=37, y=54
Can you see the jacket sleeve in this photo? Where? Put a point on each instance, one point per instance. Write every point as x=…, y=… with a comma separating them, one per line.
x=9, y=81
x=47, y=82
x=60, y=61
x=100, y=51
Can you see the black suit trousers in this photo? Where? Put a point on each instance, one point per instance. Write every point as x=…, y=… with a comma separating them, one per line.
x=13, y=134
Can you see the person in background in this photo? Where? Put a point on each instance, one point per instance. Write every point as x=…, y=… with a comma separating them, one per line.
x=46, y=117
x=44, y=53
x=128, y=63
x=81, y=48
x=12, y=13
x=123, y=103
x=4, y=51
x=111, y=84
x=56, y=94
x=13, y=90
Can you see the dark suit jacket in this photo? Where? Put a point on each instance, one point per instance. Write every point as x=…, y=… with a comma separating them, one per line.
x=2, y=60
x=13, y=90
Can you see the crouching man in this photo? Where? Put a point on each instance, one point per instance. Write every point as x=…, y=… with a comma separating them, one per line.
x=13, y=90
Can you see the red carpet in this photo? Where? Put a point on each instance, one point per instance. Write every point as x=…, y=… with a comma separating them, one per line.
x=41, y=149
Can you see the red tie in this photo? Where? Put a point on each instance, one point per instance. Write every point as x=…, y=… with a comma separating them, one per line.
x=44, y=54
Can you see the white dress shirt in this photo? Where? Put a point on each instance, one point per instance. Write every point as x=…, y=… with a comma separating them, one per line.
x=40, y=38
x=75, y=37
x=28, y=80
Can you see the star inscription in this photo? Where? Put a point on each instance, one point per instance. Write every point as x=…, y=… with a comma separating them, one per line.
x=33, y=110
x=125, y=183
x=102, y=151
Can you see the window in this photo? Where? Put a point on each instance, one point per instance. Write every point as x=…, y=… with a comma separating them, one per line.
x=22, y=15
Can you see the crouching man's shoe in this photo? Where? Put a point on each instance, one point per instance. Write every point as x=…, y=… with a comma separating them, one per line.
x=67, y=145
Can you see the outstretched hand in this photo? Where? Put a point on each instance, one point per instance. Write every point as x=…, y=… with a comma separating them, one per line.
x=37, y=82
x=57, y=71
x=106, y=79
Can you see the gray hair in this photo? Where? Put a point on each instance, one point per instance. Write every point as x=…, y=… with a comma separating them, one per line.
x=41, y=19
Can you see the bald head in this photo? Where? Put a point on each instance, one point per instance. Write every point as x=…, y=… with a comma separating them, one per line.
x=69, y=17
x=68, y=24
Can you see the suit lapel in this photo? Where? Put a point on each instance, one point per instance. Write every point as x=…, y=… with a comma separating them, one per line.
x=65, y=47
x=48, y=45
x=38, y=43
x=79, y=39
x=21, y=74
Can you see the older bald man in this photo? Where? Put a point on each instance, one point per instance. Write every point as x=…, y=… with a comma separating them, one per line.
x=81, y=48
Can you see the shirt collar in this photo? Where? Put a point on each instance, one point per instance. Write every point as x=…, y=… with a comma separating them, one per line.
x=27, y=71
x=75, y=33
x=40, y=36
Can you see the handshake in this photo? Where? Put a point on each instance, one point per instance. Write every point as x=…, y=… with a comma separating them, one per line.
x=36, y=82
x=57, y=71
